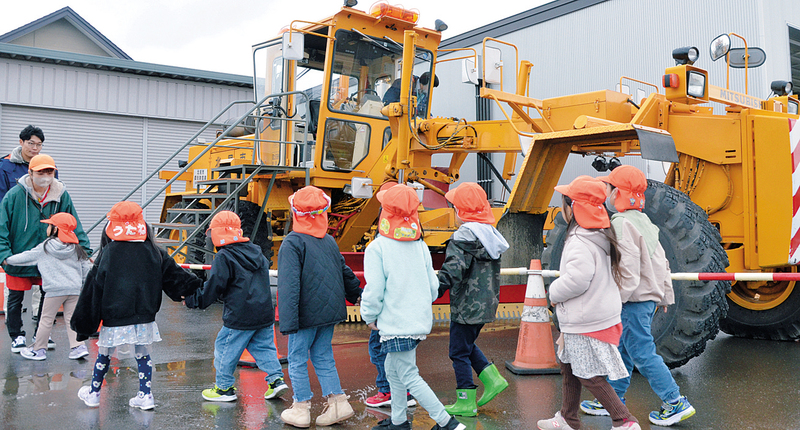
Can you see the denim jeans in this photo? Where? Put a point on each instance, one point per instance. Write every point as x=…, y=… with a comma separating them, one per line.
x=637, y=347
x=465, y=355
x=313, y=343
x=378, y=358
x=403, y=375
x=230, y=345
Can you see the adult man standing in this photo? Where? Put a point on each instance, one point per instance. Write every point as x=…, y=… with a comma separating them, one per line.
x=37, y=196
x=15, y=165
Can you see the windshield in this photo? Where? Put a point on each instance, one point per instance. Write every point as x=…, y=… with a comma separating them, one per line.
x=366, y=75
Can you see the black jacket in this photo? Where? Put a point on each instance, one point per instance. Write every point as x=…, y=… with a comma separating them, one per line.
x=240, y=277
x=313, y=283
x=124, y=287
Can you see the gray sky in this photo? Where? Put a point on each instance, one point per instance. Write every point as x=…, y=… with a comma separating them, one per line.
x=217, y=35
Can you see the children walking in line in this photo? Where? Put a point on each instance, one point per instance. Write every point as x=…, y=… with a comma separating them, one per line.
x=240, y=276
x=471, y=271
x=313, y=283
x=401, y=285
x=645, y=285
x=123, y=290
x=63, y=265
x=587, y=302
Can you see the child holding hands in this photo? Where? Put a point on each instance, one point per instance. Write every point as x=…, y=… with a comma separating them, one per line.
x=63, y=265
x=401, y=285
x=587, y=302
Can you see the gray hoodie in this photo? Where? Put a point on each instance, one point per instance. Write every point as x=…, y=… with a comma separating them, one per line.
x=62, y=273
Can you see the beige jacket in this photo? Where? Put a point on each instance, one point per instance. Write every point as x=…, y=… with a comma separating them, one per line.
x=643, y=265
x=586, y=296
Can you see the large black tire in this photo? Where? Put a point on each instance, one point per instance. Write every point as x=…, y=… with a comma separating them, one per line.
x=691, y=244
x=248, y=212
x=781, y=322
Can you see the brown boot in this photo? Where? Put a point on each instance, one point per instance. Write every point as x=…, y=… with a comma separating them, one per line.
x=337, y=409
x=299, y=415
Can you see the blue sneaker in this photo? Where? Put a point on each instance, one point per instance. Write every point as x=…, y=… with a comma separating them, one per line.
x=593, y=407
x=672, y=413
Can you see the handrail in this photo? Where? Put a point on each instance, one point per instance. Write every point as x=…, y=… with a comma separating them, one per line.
x=223, y=135
x=636, y=80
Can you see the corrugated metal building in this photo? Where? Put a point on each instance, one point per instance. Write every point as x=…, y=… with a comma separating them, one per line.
x=587, y=45
x=108, y=121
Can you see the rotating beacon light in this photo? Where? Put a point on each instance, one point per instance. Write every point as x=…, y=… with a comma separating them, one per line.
x=385, y=10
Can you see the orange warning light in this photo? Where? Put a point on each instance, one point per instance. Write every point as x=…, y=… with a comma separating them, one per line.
x=381, y=10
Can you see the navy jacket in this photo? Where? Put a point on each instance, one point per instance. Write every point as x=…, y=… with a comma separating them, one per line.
x=240, y=277
x=313, y=283
x=124, y=287
x=10, y=172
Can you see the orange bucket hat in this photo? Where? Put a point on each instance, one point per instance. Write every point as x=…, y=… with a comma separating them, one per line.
x=399, y=219
x=471, y=203
x=631, y=185
x=588, y=195
x=310, y=211
x=66, y=224
x=126, y=223
x=225, y=229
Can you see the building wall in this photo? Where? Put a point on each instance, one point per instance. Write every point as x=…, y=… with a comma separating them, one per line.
x=107, y=131
x=592, y=48
x=61, y=36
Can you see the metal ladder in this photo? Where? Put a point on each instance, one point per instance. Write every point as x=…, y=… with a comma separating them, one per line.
x=224, y=190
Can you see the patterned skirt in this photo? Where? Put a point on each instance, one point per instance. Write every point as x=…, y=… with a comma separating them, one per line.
x=128, y=340
x=590, y=357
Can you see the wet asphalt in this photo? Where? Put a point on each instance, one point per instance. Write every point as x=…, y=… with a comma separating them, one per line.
x=735, y=384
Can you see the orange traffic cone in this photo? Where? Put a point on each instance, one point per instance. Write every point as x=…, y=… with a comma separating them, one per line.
x=535, y=352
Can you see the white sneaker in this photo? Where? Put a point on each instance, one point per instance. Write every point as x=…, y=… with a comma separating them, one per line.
x=142, y=401
x=18, y=344
x=91, y=399
x=555, y=423
x=30, y=354
x=78, y=352
x=50, y=343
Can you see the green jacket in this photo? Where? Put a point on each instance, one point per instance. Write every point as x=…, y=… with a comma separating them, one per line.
x=20, y=229
x=472, y=275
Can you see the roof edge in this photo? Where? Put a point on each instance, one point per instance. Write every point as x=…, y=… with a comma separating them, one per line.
x=27, y=53
x=537, y=15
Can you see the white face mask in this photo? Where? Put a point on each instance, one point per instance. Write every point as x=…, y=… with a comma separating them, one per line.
x=610, y=201
x=42, y=181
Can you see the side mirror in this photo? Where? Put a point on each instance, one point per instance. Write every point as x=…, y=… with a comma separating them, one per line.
x=755, y=57
x=720, y=46
x=469, y=70
x=293, y=50
x=493, y=66
x=361, y=188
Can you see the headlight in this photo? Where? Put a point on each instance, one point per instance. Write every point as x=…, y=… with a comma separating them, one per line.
x=695, y=84
x=792, y=108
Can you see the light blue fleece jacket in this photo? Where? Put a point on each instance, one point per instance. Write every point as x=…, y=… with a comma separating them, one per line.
x=62, y=273
x=401, y=285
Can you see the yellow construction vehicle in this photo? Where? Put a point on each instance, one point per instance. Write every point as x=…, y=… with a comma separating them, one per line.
x=376, y=72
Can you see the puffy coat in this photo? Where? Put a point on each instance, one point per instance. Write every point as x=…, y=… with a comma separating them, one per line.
x=12, y=167
x=586, y=295
x=124, y=287
x=313, y=283
x=240, y=277
x=20, y=229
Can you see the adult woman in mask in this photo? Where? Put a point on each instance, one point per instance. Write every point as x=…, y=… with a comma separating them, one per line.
x=37, y=196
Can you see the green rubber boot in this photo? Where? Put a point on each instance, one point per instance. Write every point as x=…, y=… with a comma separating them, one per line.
x=465, y=405
x=493, y=384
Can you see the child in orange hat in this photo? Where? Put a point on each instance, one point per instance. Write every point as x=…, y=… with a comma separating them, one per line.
x=644, y=285
x=471, y=271
x=587, y=302
x=240, y=275
x=313, y=283
x=401, y=285
x=63, y=265
x=123, y=291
